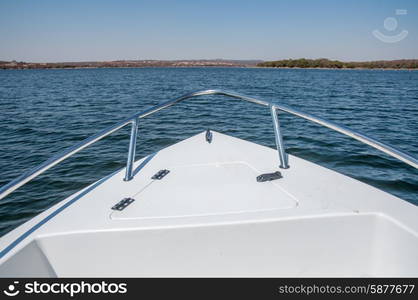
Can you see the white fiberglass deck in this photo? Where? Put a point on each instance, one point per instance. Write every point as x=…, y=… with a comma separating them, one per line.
x=210, y=217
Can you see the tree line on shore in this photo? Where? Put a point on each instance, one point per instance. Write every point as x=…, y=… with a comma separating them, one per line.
x=336, y=64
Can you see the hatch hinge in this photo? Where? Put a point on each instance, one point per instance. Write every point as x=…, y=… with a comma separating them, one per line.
x=269, y=176
x=208, y=136
x=160, y=174
x=122, y=204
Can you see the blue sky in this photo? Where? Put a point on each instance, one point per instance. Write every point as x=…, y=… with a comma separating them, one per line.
x=48, y=31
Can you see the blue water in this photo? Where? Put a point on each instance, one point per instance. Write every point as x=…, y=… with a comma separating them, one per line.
x=44, y=111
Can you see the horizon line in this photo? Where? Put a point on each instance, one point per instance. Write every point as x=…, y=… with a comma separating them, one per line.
x=201, y=59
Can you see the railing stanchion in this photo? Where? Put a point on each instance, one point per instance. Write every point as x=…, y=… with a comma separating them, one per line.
x=279, y=139
x=131, y=152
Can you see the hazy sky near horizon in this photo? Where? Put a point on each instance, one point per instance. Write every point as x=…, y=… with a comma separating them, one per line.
x=51, y=31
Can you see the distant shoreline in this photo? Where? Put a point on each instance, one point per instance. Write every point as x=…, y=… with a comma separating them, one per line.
x=129, y=64
x=213, y=67
x=320, y=68
x=324, y=64
x=116, y=67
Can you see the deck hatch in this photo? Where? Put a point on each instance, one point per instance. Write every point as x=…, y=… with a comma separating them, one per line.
x=206, y=190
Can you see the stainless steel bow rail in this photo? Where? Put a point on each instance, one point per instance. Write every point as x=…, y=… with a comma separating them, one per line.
x=134, y=119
